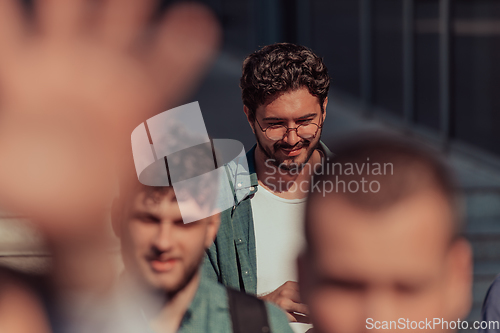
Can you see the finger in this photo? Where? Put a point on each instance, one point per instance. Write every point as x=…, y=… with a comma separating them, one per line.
x=292, y=285
x=12, y=26
x=123, y=20
x=185, y=43
x=294, y=295
x=297, y=307
x=61, y=18
x=295, y=285
x=291, y=318
x=301, y=318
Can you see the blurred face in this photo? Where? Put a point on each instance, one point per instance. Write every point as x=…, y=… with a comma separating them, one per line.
x=368, y=267
x=159, y=249
x=291, y=109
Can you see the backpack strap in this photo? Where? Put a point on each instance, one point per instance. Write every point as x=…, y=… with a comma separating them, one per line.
x=248, y=313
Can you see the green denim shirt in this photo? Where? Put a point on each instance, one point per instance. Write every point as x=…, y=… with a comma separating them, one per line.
x=232, y=259
x=209, y=312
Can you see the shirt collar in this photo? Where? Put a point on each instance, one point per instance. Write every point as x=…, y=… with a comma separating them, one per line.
x=251, y=166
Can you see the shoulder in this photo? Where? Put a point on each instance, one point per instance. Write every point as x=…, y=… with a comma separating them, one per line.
x=326, y=151
x=244, y=305
x=491, y=306
x=215, y=291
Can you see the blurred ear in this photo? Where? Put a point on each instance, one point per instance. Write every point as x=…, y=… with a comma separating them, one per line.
x=250, y=119
x=325, y=103
x=459, y=290
x=213, y=223
x=116, y=216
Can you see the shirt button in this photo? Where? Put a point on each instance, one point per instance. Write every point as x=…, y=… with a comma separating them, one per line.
x=252, y=188
x=239, y=184
x=246, y=272
x=240, y=240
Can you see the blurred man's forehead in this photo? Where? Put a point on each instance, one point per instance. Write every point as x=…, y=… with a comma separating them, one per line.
x=164, y=204
x=152, y=200
x=409, y=236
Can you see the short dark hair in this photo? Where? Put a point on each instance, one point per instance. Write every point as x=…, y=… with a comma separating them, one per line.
x=282, y=67
x=182, y=165
x=411, y=168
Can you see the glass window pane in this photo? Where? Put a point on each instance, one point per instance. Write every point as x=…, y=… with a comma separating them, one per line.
x=388, y=55
x=335, y=37
x=476, y=82
x=427, y=63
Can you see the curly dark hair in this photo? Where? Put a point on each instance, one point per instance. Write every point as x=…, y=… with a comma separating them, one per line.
x=279, y=68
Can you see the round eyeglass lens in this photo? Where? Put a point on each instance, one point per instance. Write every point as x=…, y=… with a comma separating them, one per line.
x=307, y=131
x=276, y=132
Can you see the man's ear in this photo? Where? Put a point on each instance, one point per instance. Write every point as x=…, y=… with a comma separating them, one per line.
x=213, y=223
x=250, y=119
x=116, y=216
x=325, y=103
x=459, y=295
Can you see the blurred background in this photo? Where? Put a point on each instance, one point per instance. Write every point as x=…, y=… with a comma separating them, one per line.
x=425, y=68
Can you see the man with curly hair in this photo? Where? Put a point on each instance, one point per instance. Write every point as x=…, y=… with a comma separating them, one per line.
x=285, y=94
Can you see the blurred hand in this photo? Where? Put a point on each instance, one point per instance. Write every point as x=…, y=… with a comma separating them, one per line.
x=75, y=79
x=20, y=310
x=287, y=297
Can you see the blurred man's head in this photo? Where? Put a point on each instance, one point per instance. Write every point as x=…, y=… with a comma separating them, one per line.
x=285, y=86
x=161, y=251
x=389, y=250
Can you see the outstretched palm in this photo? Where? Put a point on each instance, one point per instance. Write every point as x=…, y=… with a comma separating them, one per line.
x=75, y=79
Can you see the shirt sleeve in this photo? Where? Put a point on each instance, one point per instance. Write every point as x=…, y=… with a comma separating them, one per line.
x=277, y=319
x=491, y=305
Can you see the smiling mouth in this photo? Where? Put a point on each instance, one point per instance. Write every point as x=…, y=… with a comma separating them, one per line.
x=163, y=266
x=292, y=151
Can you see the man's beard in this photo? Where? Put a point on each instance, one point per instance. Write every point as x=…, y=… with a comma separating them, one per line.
x=188, y=277
x=161, y=291
x=280, y=163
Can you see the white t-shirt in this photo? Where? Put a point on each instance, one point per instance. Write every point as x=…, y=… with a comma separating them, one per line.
x=279, y=237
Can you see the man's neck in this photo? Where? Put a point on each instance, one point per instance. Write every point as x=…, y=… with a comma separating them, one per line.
x=170, y=316
x=290, y=184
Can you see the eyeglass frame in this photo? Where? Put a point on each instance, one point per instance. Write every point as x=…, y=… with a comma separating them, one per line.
x=290, y=128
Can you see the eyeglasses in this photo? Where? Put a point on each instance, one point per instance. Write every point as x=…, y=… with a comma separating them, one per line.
x=306, y=131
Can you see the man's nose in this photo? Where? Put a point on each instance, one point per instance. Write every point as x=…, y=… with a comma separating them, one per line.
x=291, y=137
x=381, y=305
x=163, y=240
